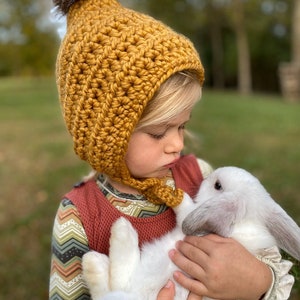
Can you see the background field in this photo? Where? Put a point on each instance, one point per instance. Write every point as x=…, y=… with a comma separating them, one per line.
x=37, y=165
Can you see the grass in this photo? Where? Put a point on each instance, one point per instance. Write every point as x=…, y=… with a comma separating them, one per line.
x=37, y=165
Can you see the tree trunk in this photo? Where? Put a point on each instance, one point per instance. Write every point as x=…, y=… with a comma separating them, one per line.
x=296, y=33
x=289, y=73
x=243, y=52
x=215, y=26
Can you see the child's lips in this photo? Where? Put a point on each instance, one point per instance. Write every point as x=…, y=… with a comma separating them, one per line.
x=172, y=164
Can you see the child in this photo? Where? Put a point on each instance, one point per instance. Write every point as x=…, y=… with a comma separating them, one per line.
x=127, y=85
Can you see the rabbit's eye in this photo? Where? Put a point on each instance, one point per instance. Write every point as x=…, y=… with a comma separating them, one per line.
x=218, y=185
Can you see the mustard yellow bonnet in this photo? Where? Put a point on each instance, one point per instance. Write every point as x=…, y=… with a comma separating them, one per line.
x=111, y=62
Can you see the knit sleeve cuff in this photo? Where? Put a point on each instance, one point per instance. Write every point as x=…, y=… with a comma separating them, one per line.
x=282, y=281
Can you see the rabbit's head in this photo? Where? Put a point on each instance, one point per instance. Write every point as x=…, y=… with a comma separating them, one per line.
x=230, y=195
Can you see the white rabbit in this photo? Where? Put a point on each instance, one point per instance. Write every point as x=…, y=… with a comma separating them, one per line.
x=231, y=202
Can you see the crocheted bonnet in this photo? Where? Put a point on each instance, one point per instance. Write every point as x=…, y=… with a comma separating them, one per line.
x=111, y=62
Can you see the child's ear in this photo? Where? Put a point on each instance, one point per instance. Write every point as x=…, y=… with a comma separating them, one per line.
x=284, y=229
x=217, y=215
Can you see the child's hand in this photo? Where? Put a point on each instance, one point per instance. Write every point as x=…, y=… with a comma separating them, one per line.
x=220, y=268
x=168, y=293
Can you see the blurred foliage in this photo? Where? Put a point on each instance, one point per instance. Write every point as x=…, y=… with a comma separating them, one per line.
x=28, y=42
x=268, y=29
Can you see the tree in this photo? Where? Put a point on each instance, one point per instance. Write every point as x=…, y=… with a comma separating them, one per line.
x=244, y=64
x=290, y=72
x=238, y=40
x=296, y=33
x=217, y=49
x=28, y=43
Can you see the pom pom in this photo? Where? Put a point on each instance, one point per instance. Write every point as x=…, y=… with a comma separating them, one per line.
x=64, y=5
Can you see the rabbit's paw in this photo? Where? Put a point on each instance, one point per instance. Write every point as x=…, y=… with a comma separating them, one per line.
x=96, y=273
x=124, y=254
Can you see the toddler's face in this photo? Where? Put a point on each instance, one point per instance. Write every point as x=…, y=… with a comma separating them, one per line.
x=153, y=150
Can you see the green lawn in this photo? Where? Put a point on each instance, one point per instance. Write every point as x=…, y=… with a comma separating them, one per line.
x=37, y=165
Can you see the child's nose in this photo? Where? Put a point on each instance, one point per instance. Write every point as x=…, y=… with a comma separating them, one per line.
x=175, y=143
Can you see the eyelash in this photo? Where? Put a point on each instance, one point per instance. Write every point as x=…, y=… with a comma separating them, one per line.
x=160, y=136
x=157, y=136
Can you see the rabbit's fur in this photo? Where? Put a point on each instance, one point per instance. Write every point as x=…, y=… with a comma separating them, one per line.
x=231, y=202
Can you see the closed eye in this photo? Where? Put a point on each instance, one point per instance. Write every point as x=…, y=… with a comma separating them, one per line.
x=157, y=136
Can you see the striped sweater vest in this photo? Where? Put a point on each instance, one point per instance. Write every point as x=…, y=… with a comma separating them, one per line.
x=98, y=215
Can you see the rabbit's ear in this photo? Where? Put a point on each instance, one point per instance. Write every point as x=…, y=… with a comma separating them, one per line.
x=284, y=229
x=217, y=215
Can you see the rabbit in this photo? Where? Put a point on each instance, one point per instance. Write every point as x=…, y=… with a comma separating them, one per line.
x=231, y=202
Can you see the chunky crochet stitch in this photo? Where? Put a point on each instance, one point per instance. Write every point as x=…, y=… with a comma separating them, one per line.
x=111, y=62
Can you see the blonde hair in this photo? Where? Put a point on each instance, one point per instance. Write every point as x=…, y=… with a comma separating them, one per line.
x=178, y=93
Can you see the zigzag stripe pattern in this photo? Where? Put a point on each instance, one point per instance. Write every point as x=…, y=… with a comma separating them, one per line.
x=68, y=289
x=132, y=205
x=137, y=208
x=69, y=243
